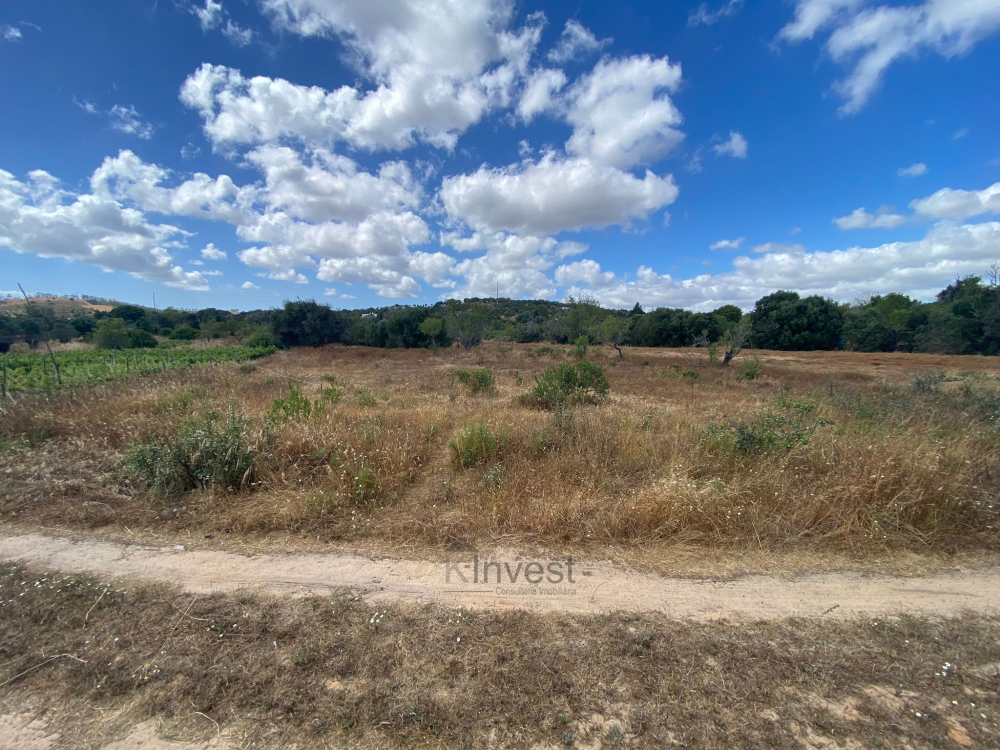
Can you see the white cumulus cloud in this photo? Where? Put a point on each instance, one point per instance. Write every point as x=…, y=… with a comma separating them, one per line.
x=916, y=170
x=539, y=91
x=554, y=194
x=128, y=120
x=959, y=204
x=621, y=112
x=727, y=244
x=870, y=39
x=39, y=217
x=861, y=219
x=434, y=68
x=920, y=269
x=735, y=146
x=576, y=41
x=211, y=252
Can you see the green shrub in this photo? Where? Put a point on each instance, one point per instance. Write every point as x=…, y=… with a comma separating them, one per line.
x=294, y=407
x=581, y=346
x=206, y=452
x=928, y=383
x=748, y=368
x=366, y=399
x=569, y=384
x=493, y=478
x=246, y=369
x=139, y=339
x=366, y=486
x=684, y=373
x=333, y=392
x=763, y=432
x=478, y=381
x=477, y=443
x=183, y=332
x=542, y=442
x=260, y=338
x=548, y=351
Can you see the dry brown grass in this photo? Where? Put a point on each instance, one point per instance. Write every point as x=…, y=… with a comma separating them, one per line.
x=890, y=469
x=334, y=671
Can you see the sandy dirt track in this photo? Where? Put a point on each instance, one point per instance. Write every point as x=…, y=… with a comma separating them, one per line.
x=597, y=587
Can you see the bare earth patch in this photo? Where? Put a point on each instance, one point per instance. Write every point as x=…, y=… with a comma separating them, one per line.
x=596, y=587
x=150, y=667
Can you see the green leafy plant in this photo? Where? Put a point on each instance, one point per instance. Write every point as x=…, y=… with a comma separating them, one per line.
x=765, y=431
x=294, y=407
x=481, y=380
x=477, y=443
x=684, y=373
x=260, y=338
x=366, y=486
x=569, y=384
x=206, y=452
x=493, y=478
x=749, y=369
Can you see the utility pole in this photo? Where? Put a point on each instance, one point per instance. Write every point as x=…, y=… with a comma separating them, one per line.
x=45, y=339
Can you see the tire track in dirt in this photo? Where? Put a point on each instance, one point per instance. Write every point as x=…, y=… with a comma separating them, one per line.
x=596, y=587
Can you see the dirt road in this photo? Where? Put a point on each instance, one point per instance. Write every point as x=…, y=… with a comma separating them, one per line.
x=582, y=588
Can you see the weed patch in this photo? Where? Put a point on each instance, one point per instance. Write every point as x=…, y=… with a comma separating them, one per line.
x=477, y=381
x=206, y=452
x=568, y=384
x=477, y=443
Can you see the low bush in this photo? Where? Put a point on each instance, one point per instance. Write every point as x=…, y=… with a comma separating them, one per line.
x=684, y=373
x=569, y=384
x=493, y=478
x=366, y=486
x=261, y=338
x=364, y=398
x=294, y=407
x=477, y=443
x=749, y=368
x=765, y=431
x=206, y=452
x=481, y=380
x=928, y=383
x=335, y=389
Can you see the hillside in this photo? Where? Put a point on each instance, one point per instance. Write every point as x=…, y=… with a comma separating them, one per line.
x=61, y=307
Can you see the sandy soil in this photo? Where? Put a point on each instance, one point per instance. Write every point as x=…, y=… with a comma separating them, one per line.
x=21, y=731
x=596, y=586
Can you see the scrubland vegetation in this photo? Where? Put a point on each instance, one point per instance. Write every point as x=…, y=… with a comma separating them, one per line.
x=851, y=453
x=682, y=458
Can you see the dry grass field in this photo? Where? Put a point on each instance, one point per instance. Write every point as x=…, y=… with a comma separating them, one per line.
x=820, y=461
x=858, y=455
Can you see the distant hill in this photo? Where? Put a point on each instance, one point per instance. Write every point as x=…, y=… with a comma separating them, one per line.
x=61, y=307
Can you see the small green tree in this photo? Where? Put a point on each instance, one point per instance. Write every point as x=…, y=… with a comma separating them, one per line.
x=468, y=323
x=432, y=328
x=111, y=333
x=183, y=332
x=615, y=332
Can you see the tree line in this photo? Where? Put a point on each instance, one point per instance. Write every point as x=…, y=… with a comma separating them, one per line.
x=964, y=318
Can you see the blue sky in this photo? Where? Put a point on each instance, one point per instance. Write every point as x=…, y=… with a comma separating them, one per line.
x=235, y=153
